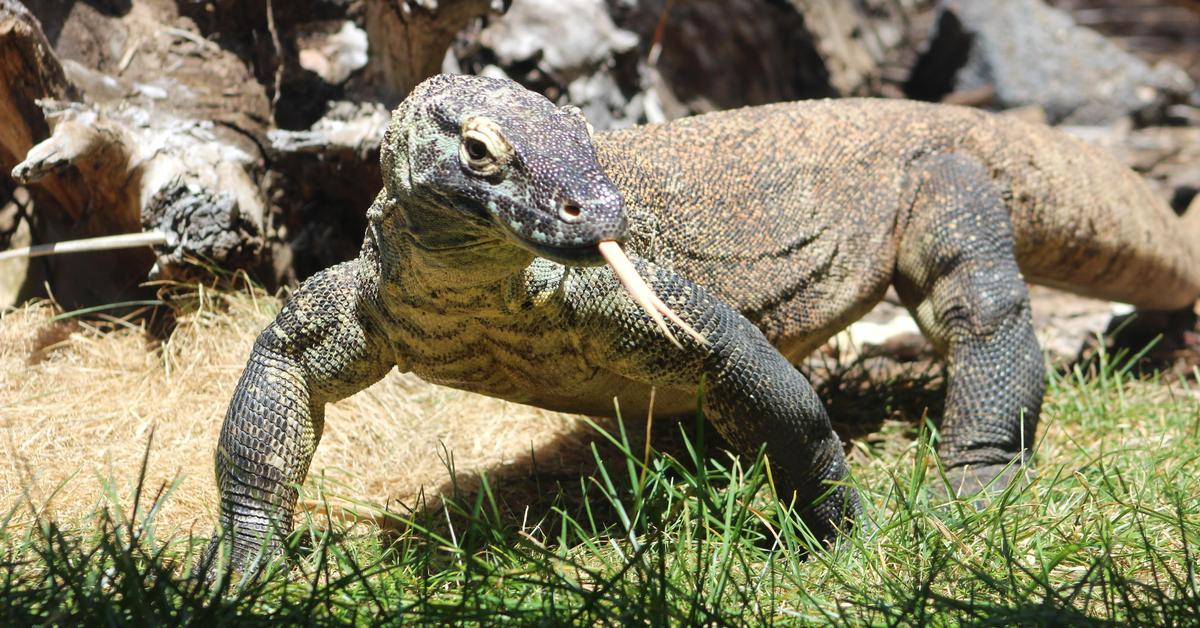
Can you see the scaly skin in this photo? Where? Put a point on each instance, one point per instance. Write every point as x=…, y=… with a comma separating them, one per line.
x=776, y=225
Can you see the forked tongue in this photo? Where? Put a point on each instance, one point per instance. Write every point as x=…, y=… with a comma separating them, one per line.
x=643, y=295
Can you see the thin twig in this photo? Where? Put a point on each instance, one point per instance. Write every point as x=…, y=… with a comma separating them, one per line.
x=102, y=243
x=190, y=36
x=659, y=31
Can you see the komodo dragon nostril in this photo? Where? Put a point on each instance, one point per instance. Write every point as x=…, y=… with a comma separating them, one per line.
x=570, y=211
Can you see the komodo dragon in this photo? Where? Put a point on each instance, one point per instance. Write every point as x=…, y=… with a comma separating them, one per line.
x=768, y=229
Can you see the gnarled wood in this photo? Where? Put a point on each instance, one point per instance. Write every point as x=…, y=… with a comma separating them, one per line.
x=31, y=72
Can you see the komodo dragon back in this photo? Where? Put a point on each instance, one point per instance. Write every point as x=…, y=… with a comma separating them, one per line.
x=778, y=191
x=801, y=215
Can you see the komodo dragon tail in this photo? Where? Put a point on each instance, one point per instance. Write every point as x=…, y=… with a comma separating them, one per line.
x=1084, y=222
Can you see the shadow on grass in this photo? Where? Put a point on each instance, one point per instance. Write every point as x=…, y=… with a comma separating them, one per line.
x=527, y=496
x=530, y=494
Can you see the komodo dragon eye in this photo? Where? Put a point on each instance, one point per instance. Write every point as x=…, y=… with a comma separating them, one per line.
x=476, y=149
x=484, y=148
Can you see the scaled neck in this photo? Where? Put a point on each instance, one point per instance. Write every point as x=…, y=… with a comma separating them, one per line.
x=428, y=248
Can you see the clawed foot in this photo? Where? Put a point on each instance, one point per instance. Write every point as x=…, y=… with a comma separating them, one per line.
x=218, y=565
x=980, y=483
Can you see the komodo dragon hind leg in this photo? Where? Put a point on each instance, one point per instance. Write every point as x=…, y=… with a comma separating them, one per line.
x=957, y=274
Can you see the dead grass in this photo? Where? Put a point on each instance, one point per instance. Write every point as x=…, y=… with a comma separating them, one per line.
x=79, y=400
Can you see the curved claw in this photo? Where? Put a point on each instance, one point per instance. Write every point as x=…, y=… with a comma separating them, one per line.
x=981, y=483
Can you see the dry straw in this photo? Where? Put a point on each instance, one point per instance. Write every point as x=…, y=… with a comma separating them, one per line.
x=79, y=399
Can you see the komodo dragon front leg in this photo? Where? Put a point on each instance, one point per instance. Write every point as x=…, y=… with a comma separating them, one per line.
x=957, y=274
x=318, y=349
x=751, y=394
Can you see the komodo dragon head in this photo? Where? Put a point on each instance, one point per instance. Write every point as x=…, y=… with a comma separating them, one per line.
x=472, y=160
x=493, y=152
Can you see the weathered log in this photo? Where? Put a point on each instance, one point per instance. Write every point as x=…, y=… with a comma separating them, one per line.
x=31, y=72
x=1029, y=53
x=156, y=172
x=329, y=173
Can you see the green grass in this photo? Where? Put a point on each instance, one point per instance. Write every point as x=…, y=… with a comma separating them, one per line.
x=1106, y=532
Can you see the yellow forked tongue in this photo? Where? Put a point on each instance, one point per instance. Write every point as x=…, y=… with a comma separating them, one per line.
x=642, y=294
